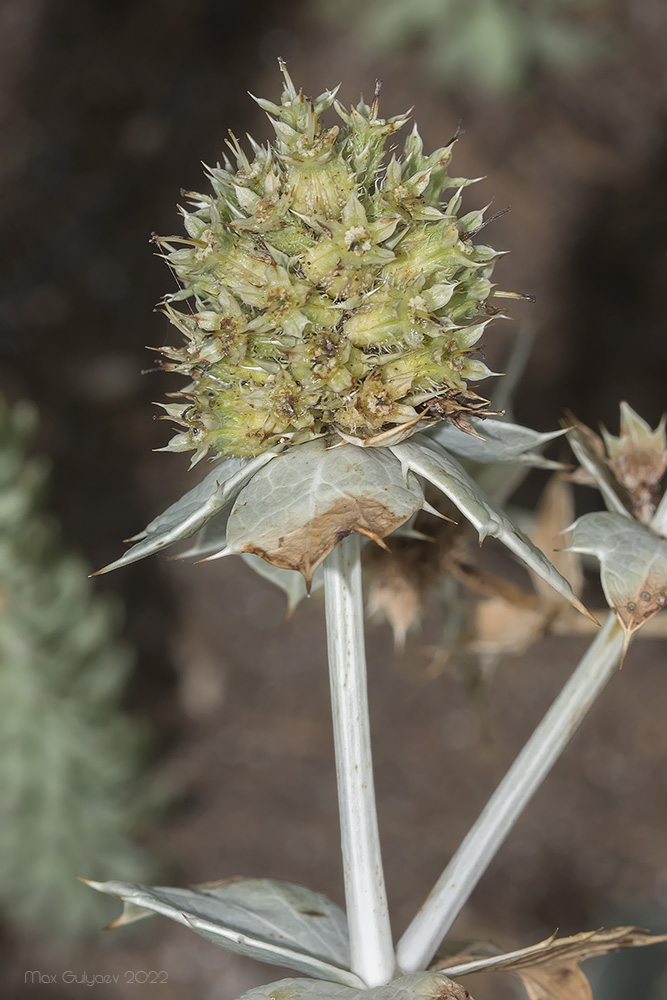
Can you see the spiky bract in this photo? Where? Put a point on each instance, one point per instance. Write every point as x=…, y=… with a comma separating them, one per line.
x=329, y=290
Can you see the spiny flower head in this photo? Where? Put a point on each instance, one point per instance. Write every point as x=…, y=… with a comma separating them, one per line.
x=329, y=290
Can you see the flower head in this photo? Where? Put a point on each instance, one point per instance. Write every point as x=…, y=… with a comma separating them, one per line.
x=335, y=301
x=328, y=289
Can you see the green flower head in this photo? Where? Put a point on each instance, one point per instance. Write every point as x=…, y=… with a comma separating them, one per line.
x=332, y=287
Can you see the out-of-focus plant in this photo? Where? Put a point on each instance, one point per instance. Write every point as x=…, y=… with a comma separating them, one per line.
x=335, y=303
x=68, y=753
x=499, y=45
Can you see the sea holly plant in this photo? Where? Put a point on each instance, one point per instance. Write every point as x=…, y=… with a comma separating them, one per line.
x=336, y=296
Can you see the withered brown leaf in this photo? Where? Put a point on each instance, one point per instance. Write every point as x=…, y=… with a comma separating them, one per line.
x=555, y=511
x=509, y=619
x=549, y=970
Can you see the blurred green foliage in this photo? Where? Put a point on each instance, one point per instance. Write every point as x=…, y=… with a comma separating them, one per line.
x=68, y=753
x=498, y=45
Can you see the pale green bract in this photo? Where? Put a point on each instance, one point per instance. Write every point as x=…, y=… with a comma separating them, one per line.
x=582, y=442
x=269, y=920
x=311, y=490
x=295, y=511
x=417, y=986
x=498, y=441
x=213, y=496
x=633, y=564
x=429, y=460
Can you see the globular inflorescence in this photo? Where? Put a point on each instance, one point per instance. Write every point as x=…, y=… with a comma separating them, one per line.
x=332, y=287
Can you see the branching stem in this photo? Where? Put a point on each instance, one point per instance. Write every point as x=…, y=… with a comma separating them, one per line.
x=372, y=956
x=452, y=890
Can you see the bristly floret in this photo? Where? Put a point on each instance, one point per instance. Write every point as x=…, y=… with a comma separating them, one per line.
x=330, y=291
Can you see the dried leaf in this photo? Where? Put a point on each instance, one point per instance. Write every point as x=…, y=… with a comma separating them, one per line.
x=555, y=511
x=633, y=564
x=382, y=439
x=272, y=921
x=505, y=629
x=398, y=582
x=416, y=986
x=509, y=620
x=296, y=510
x=484, y=583
x=549, y=970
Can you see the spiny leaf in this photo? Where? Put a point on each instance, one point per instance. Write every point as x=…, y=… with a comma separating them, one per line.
x=294, y=511
x=633, y=563
x=428, y=459
x=589, y=449
x=272, y=921
x=497, y=441
x=549, y=970
x=417, y=986
x=193, y=510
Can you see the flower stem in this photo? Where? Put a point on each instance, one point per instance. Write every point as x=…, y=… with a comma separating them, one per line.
x=452, y=890
x=371, y=949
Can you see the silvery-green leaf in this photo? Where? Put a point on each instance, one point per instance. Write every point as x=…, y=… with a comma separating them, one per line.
x=428, y=459
x=416, y=986
x=633, y=564
x=498, y=441
x=289, y=581
x=193, y=510
x=589, y=449
x=191, y=501
x=272, y=921
x=213, y=535
x=296, y=510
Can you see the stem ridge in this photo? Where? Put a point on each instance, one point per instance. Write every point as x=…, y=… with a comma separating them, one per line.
x=371, y=949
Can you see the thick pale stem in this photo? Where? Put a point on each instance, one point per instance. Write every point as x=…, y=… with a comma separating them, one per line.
x=452, y=890
x=367, y=913
x=659, y=522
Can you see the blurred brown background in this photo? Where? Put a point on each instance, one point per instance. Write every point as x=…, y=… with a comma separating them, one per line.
x=107, y=109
